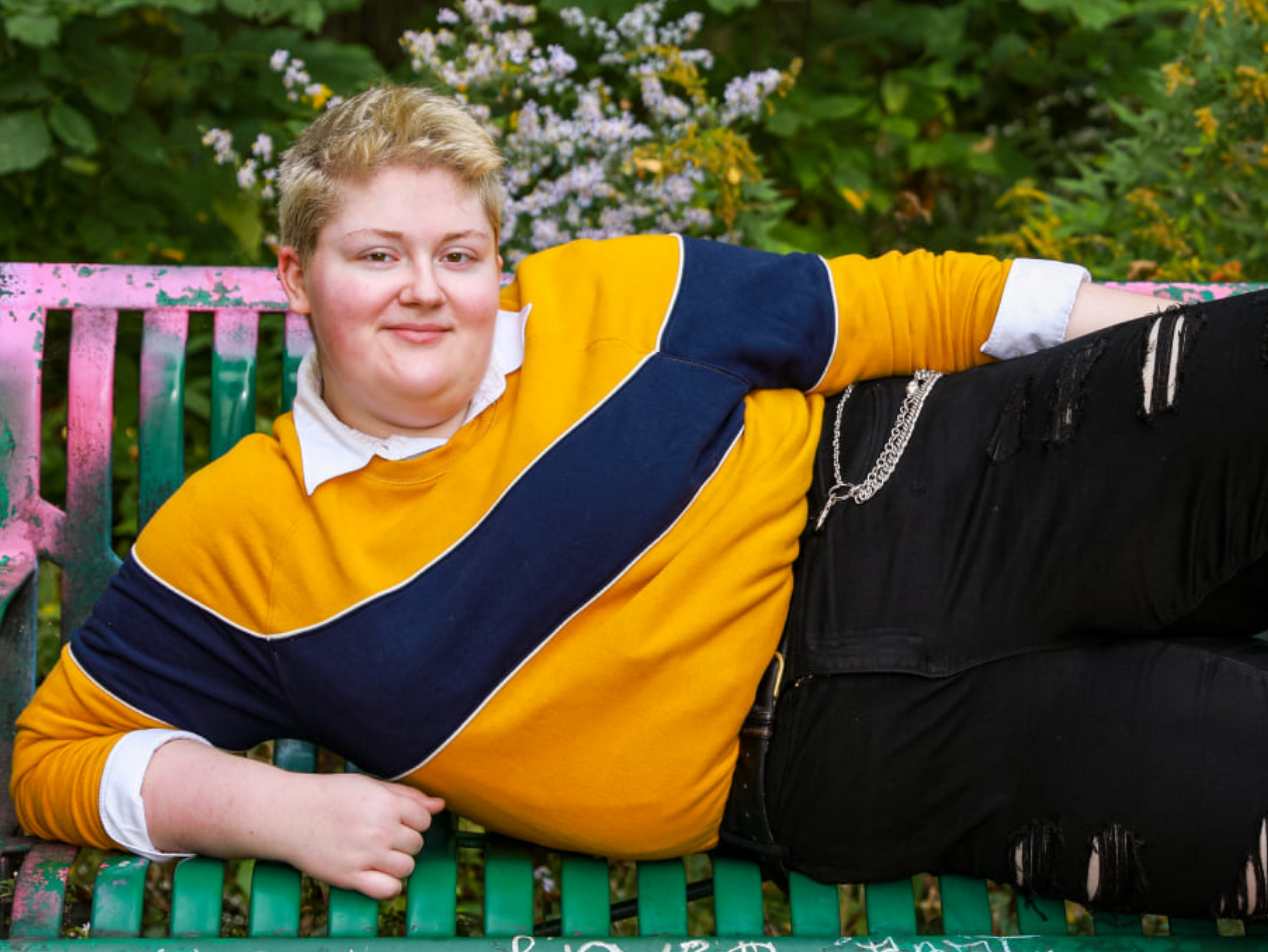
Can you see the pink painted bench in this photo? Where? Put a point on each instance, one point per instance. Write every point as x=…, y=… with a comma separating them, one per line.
x=78, y=538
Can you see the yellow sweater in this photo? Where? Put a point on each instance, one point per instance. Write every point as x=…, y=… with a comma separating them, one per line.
x=556, y=620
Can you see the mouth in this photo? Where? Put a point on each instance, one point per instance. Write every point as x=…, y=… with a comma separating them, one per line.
x=417, y=333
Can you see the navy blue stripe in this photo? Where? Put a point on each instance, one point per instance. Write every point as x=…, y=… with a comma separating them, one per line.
x=767, y=318
x=178, y=663
x=391, y=681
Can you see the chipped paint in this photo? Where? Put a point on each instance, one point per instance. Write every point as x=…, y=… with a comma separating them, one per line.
x=84, y=271
x=218, y=296
x=8, y=444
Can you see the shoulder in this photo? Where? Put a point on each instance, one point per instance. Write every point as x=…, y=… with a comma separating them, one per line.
x=213, y=539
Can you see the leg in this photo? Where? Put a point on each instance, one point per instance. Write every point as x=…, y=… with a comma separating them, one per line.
x=1149, y=753
x=1112, y=485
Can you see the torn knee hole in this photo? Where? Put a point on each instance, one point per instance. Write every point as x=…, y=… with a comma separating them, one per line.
x=1167, y=344
x=1250, y=896
x=1034, y=856
x=1067, y=395
x=1115, y=874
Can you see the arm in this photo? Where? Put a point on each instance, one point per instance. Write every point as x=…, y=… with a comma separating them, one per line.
x=347, y=829
x=1096, y=308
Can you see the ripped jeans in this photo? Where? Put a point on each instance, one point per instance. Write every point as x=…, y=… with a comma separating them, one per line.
x=1030, y=657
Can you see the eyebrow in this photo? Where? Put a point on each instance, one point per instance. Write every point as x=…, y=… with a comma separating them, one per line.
x=451, y=236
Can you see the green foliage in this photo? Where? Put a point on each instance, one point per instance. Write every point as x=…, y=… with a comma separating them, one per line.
x=1180, y=193
x=103, y=104
x=909, y=118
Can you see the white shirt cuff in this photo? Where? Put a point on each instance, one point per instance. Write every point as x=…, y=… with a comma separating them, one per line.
x=120, y=803
x=1034, y=310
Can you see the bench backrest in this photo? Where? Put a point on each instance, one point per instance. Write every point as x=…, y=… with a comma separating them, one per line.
x=78, y=538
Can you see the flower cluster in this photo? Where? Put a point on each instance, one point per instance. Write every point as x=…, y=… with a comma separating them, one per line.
x=618, y=135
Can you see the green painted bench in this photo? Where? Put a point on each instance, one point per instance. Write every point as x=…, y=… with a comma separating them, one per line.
x=468, y=887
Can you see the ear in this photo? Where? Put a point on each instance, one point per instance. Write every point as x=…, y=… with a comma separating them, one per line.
x=290, y=272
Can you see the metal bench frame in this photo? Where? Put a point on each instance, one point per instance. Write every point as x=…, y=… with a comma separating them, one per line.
x=78, y=539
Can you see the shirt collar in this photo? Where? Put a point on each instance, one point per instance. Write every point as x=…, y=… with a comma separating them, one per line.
x=328, y=447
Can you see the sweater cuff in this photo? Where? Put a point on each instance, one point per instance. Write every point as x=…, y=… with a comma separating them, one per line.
x=1034, y=309
x=120, y=803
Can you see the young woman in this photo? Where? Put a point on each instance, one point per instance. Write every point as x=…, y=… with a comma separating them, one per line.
x=532, y=551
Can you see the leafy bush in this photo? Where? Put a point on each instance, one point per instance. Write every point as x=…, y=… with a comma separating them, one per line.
x=1181, y=192
x=617, y=135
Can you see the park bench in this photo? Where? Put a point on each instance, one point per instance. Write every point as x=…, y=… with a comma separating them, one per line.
x=34, y=913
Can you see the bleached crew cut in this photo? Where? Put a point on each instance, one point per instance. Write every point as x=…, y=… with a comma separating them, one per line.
x=386, y=125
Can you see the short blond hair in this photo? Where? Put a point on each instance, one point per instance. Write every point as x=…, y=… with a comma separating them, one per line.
x=385, y=125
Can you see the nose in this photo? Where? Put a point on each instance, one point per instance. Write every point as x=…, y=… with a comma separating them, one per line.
x=421, y=287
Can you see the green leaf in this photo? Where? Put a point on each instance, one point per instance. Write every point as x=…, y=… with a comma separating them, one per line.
x=894, y=93
x=72, y=127
x=835, y=107
x=22, y=89
x=81, y=166
x=1093, y=14
x=111, y=86
x=33, y=29
x=240, y=213
x=730, y=6
x=24, y=141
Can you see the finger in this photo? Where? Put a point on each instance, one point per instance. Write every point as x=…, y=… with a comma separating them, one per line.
x=376, y=884
x=413, y=814
x=430, y=804
x=395, y=863
x=407, y=840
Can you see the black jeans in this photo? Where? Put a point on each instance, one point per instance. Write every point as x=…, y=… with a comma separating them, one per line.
x=1036, y=639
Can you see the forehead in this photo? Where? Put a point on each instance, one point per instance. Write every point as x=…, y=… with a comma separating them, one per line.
x=406, y=199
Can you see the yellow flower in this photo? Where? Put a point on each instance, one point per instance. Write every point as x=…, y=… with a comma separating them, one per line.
x=1175, y=75
x=856, y=200
x=1207, y=122
x=1252, y=84
x=318, y=99
x=172, y=254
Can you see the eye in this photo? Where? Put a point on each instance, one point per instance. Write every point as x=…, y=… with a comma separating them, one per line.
x=457, y=257
x=376, y=257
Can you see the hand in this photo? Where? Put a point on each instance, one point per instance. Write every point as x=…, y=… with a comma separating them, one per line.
x=357, y=832
x=349, y=829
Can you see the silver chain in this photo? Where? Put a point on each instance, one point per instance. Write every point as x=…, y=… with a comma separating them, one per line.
x=918, y=389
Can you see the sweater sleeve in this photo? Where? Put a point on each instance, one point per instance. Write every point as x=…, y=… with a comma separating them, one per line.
x=903, y=312
x=64, y=738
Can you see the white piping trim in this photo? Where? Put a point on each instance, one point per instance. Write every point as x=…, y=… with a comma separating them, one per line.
x=673, y=298
x=545, y=641
x=836, y=324
x=406, y=581
x=70, y=650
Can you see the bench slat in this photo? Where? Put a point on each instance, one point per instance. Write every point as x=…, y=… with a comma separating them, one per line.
x=233, y=377
x=1192, y=927
x=1037, y=916
x=508, y=888
x=196, y=887
x=297, y=756
x=162, y=407
x=274, y=900
x=85, y=545
x=662, y=897
x=891, y=908
x=118, y=896
x=297, y=341
x=737, y=897
x=431, y=893
x=584, y=896
x=40, y=894
x=352, y=915
x=815, y=908
x=966, y=906
x=1111, y=923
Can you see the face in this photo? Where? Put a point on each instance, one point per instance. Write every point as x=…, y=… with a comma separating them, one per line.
x=402, y=292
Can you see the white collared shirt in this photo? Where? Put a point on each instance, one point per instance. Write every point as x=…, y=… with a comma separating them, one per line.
x=328, y=447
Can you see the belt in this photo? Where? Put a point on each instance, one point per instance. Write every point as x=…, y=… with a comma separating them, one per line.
x=745, y=822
